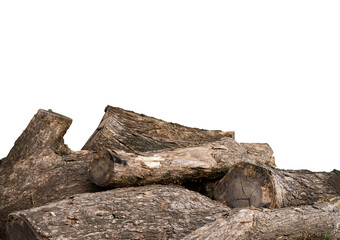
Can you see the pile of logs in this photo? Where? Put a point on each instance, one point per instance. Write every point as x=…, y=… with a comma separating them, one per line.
x=139, y=177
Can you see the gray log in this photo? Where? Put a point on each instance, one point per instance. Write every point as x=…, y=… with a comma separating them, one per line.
x=150, y=212
x=204, y=162
x=132, y=132
x=248, y=185
x=259, y=153
x=40, y=168
x=318, y=221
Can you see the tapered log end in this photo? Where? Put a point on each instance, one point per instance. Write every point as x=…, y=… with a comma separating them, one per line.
x=45, y=130
x=18, y=228
x=101, y=168
x=245, y=185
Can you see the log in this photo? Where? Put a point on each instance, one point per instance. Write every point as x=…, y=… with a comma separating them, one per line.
x=132, y=132
x=259, y=153
x=247, y=185
x=317, y=221
x=205, y=162
x=40, y=168
x=149, y=212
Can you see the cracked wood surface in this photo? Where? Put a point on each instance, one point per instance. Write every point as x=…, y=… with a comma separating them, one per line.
x=40, y=168
x=149, y=212
x=304, y=222
x=204, y=162
x=137, y=133
x=248, y=185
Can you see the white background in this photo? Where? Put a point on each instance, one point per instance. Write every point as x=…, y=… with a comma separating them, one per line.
x=269, y=70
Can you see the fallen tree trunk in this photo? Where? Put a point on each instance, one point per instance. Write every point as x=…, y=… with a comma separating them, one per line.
x=318, y=221
x=150, y=212
x=204, y=162
x=132, y=132
x=40, y=168
x=248, y=185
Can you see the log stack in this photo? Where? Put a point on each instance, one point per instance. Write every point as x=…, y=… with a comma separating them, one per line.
x=138, y=177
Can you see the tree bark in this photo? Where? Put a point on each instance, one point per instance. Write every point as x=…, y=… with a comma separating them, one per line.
x=204, y=162
x=149, y=212
x=40, y=168
x=136, y=133
x=318, y=221
x=260, y=153
x=248, y=185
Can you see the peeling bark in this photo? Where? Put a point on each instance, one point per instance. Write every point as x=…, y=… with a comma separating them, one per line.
x=150, y=212
x=316, y=221
x=136, y=133
x=204, y=162
x=248, y=185
x=40, y=168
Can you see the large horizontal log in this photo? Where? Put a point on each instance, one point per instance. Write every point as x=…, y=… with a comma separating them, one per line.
x=149, y=212
x=318, y=221
x=248, y=185
x=40, y=168
x=132, y=132
x=204, y=162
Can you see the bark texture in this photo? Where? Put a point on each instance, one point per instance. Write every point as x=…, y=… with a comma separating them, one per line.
x=149, y=212
x=40, y=168
x=260, y=153
x=248, y=185
x=203, y=162
x=132, y=132
x=318, y=221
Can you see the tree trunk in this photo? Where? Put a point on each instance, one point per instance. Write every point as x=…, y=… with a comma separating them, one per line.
x=318, y=221
x=248, y=185
x=40, y=168
x=150, y=212
x=132, y=132
x=204, y=162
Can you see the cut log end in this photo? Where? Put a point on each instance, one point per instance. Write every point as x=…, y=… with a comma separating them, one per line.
x=17, y=228
x=245, y=185
x=101, y=168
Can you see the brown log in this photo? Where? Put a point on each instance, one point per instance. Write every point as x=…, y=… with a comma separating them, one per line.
x=132, y=132
x=248, y=185
x=317, y=221
x=150, y=212
x=204, y=162
x=40, y=168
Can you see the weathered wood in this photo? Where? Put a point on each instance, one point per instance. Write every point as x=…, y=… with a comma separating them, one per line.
x=207, y=161
x=149, y=212
x=248, y=185
x=132, y=132
x=40, y=168
x=317, y=221
x=259, y=153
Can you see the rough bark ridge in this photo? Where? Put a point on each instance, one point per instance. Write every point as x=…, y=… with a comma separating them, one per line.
x=150, y=212
x=248, y=185
x=204, y=162
x=132, y=132
x=318, y=221
x=40, y=168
